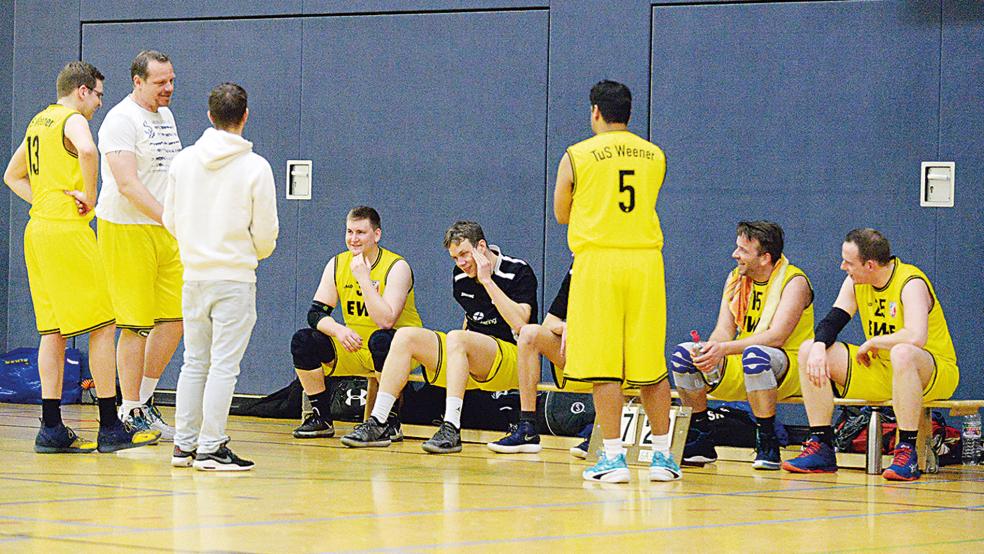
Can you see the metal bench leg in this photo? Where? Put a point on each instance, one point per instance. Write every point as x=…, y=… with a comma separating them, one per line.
x=873, y=450
x=928, y=461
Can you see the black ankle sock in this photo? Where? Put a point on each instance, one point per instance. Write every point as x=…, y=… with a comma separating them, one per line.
x=699, y=421
x=51, y=412
x=527, y=416
x=825, y=433
x=908, y=436
x=766, y=424
x=321, y=402
x=107, y=412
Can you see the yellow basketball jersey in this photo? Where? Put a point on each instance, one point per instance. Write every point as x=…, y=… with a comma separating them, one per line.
x=51, y=167
x=617, y=177
x=354, y=310
x=882, y=312
x=804, y=327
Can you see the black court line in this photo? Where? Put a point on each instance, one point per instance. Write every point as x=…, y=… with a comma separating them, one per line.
x=17, y=537
x=92, y=499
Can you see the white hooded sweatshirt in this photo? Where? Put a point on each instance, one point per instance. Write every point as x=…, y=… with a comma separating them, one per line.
x=221, y=205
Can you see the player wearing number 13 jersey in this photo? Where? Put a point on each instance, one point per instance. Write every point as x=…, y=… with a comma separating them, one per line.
x=606, y=191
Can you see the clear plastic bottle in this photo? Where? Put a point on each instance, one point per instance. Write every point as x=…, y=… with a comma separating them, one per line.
x=713, y=376
x=970, y=439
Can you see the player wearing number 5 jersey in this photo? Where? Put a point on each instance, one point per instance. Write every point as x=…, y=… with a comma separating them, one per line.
x=606, y=191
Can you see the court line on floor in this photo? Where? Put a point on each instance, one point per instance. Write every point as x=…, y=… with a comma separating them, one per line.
x=629, y=532
x=895, y=547
x=431, y=513
x=90, y=499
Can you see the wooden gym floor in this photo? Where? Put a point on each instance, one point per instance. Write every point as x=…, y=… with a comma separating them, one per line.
x=317, y=496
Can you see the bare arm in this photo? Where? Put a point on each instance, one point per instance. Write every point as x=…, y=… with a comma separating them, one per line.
x=795, y=299
x=386, y=308
x=515, y=314
x=123, y=166
x=77, y=131
x=713, y=350
x=816, y=363
x=554, y=324
x=564, y=191
x=16, y=175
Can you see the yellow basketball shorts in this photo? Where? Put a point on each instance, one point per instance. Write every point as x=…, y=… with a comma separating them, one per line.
x=144, y=270
x=66, y=277
x=566, y=384
x=875, y=381
x=502, y=376
x=731, y=387
x=350, y=364
x=616, y=317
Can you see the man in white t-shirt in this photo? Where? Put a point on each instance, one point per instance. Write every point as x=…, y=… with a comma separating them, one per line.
x=138, y=139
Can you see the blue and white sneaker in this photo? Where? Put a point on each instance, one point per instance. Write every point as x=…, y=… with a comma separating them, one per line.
x=905, y=465
x=816, y=457
x=522, y=439
x=664, y=468
x=614, y=470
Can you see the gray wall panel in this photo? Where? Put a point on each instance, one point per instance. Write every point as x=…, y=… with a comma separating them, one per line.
x=116, y=10
x=46, y=38
x=404, y=6
x=6, y=148
x=274, y=93
x=960, y=230
x=429, y=118
x=813, y=115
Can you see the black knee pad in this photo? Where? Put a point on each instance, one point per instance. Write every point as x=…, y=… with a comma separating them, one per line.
x=310, y=349
x=379, y=346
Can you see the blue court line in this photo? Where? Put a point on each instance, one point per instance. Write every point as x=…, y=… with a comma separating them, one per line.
x=90, y=499
x=623, y=533
x=93, y=485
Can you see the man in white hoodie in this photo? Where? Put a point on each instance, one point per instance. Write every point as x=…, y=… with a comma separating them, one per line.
x=221, y=206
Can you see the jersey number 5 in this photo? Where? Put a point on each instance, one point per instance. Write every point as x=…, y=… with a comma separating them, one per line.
x=622, y=187
x=33, y=161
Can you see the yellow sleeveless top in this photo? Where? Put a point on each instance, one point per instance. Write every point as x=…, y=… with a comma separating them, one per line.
x=804, y=327
x=354, y=310
x=51, y=167
x=882, y=312
x=617, y=177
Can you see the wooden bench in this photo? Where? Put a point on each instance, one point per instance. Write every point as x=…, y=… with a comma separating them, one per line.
x=873, y=460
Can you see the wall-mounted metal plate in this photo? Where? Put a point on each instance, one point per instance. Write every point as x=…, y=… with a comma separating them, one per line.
x=936, y=184
x=299, y=179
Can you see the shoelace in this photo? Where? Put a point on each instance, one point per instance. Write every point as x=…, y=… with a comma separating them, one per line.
x=902, y=456
x=810, y=448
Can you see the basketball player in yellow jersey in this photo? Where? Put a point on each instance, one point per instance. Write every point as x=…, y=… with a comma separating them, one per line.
x=56, y=166
x=766, y=312
x=616, y=322
x=374, y=289
x=908, y=355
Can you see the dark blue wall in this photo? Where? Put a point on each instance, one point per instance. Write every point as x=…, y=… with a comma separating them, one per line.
x=816, y=115
x=6, y=74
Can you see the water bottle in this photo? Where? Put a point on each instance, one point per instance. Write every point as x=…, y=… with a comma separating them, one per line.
x=970, y=438
x=713, y=376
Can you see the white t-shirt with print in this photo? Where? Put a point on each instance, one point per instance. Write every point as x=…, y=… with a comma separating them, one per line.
x=153, y=138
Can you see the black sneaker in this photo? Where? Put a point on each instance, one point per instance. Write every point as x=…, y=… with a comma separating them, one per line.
x=315, y=426
x=522, y=438
x=222, y=459
x=699, y=449
x=182, y=458
x=766, y=452
x=581, y=450
x=61, y=440
x=393, y=429
x=446, y=440
x=120, y=437
x=368, y=433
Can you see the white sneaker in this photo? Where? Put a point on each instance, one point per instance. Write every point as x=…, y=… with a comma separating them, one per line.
x=157, y=423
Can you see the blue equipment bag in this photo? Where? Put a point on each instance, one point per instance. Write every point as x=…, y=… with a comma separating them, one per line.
x=20, y=382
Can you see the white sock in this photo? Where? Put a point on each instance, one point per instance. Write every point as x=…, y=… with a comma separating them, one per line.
x=613, y=447
x=661, y=444
x=147, y=386
x=452, y=411
x=384, y=404
x=127, y=406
